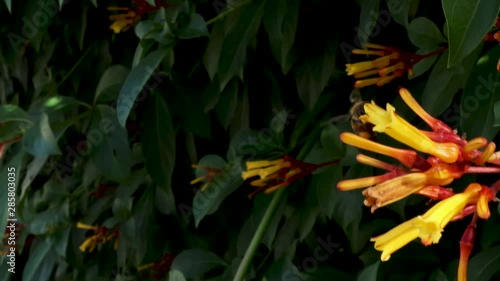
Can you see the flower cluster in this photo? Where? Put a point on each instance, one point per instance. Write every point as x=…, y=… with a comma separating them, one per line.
x=128, y=16
x=275, y=174
x=101, y=235
x=158, y=269
x=450, y=157
x=392, y=63
x=206, y=178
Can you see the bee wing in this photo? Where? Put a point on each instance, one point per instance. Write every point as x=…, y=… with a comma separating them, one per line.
x=340, y=119
x=355, y=96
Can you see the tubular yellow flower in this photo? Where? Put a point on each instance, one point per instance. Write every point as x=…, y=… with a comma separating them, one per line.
x=387, y=121
x=436, y=124
x=407, y=157
x=428, y=226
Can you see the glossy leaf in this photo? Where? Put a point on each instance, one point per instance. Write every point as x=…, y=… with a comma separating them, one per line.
x=243, y=28
x=111, y=81
x=479, y=96
x=38, y=253
x=195, y=28
x=135, y=83
x=367, y=20
x=484, y=265
x=158, y=147
x=280, y=20
x=107, y=142
x=424, y=33
x=208, y=201
x=39, y=140
x=194, y=262
x=443, y=84
x=369, y=273
x=10, y=112
x=467, y=22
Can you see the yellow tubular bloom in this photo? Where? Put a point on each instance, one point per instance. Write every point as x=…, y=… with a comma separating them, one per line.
x=428, y=226
x=387, y=121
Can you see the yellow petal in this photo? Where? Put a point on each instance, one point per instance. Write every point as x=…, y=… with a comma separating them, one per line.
x=263, y=163
x=395, y=239
x=85, y=226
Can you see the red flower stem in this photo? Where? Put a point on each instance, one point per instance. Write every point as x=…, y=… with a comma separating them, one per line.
x=327, y=163
x=421, y=57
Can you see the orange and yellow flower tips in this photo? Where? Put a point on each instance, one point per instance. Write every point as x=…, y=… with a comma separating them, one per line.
x=158, y=269
x=429, y=226
x=123, y=21
x=101, y=235
x=388, y=122
x=207, y=178
x=408, y=157
x=278, y=173
x=392, y=63
x=128, y=16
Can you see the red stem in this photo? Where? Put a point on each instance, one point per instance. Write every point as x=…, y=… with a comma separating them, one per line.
x=421, y=57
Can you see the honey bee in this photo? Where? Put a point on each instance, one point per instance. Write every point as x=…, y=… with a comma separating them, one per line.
x=357, y=109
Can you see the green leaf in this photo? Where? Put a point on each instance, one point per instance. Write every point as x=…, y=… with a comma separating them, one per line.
x=8, y=3
x=10, y=112
x=484, y=265
x=37, y=255
x=331, y=143
x=111, y=81
x=479, y=96
x=422, y=66
x=313, y=75
x=326, y=189
x=32, y=171
x=108, y=144
x=280, y=20
x=158, y=147
x=228, y=101
x=175, y=275
x=240, y=30
x=400, y=10
x=196, y=28
x=284, y=269
x=467, y=22
x=213, y=52
x=39, y=140
x=367, y=20
x=438, y=275
x=195, y=262
x=208, y=201
x=369, y=273
x=424, y=33
x=444, y=83
x=135, y=82
x=324, y=273
x=496, y=110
